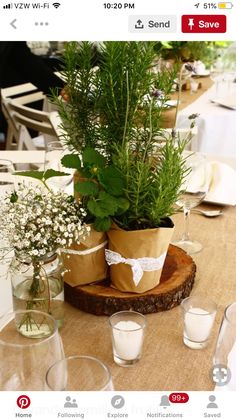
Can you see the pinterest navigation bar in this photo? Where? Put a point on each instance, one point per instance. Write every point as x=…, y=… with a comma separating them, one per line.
x=116, y=405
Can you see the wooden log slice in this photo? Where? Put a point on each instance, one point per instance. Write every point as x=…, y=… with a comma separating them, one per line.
x=176, y=283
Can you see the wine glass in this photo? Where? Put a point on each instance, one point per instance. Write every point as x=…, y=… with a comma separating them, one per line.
x=216, y=77
x=192, y=193
x=24, y=361
x=53, y=155
x=79, y=373
x=7, y=180
x=228, y=78
x=225, y=352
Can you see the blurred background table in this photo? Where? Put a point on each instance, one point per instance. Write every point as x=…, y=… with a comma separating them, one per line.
x=186, y=99
x=215, y=123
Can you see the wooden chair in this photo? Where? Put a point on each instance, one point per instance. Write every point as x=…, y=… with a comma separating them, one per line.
x=24, y=94
x=26, y=119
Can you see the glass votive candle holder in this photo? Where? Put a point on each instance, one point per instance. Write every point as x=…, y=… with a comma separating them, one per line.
x=127, y=330
x=198, y=317
x=79, y=373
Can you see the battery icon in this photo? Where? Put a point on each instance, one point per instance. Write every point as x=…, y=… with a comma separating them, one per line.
x=225, y=5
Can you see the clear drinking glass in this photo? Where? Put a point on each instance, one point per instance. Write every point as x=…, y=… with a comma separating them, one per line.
x=198, y=318
x=7, y=179
x=127, y=329
x=192, y=193
x=225, y=352
x=216, y=77
x=79, y=373
x=193, y=86
x=53, y=155
x=24, y=361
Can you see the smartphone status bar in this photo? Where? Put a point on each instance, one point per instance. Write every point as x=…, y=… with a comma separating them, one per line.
x=121, y=20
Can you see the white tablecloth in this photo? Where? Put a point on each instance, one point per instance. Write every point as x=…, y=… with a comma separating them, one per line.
x=216, y=124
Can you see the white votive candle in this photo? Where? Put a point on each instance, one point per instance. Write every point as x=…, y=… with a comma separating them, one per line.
x=198, y=323
x=128, y=339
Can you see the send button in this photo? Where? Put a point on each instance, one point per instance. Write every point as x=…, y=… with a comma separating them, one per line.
x=153, y=24
x=162, y=24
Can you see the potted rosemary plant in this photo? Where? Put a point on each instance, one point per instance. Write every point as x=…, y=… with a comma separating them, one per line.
x=129, y=171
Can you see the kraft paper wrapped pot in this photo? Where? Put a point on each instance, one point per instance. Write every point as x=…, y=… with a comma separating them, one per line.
x=85, y=263
x=132, y=247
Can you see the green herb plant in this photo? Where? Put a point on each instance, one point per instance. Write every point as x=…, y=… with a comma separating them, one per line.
x=101, y=187
x=130, y=172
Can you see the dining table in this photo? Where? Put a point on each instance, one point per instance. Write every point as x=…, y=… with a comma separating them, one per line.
x=185, y=99
x=166, y=363
x=216, y=132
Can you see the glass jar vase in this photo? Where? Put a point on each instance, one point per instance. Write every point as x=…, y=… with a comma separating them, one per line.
x=38, y=285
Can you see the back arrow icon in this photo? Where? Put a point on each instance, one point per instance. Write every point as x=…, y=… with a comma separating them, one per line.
x=13, y=23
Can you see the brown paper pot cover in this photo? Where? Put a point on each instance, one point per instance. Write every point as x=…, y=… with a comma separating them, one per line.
x=137, y=244
x=85, y=269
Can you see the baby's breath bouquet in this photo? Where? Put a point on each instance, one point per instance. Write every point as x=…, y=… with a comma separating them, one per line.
x=37, y=224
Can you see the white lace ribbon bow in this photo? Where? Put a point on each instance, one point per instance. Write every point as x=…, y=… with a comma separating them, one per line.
x=138, y=266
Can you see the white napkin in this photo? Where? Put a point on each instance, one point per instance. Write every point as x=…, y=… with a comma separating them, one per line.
x=220, y=181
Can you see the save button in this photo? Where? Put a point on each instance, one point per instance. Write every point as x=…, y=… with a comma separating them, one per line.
x=204, y=23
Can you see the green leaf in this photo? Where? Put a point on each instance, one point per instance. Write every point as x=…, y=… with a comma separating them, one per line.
x=14, y=197
x=87, y=188
x=35, y=174
x=123, y=206
x=92, y=157
x=71, y=161
x=104, y=206
x=102, y=224
x=53, y=173
x=112, y=180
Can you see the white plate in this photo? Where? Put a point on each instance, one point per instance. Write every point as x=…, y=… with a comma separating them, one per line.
x=203, y=74
x=219, y=202
x=171, y=103
x=159, y=103
x=226, y=103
